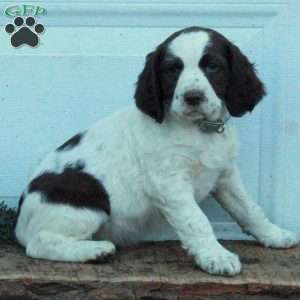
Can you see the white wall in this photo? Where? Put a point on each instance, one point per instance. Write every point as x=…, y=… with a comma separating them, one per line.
x=87, y=63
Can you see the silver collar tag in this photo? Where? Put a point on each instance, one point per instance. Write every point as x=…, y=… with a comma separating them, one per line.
x=212, y=126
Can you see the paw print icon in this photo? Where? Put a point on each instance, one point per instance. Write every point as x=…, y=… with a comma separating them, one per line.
x=24, y=31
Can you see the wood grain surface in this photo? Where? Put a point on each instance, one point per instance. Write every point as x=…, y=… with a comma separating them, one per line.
x=151, y=271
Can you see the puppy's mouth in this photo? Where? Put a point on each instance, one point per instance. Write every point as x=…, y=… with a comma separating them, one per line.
x=202, y=113
x=195, y=115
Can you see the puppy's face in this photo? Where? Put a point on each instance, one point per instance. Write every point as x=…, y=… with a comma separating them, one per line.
x=194, y=74
x=197, y=74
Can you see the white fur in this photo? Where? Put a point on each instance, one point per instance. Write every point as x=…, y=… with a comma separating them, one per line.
x=154, y=174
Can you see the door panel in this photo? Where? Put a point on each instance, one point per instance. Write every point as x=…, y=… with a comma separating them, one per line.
x=87, y=63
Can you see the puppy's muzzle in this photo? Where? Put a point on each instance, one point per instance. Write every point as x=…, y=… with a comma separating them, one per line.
x=194, y=97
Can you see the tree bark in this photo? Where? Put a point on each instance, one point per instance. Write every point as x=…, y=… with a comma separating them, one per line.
x=151, y=271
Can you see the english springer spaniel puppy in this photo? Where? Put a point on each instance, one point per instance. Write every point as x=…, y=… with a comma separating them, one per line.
x=149, y=166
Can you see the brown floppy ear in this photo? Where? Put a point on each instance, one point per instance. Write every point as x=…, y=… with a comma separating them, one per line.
x=148, y=96
x=245, y=89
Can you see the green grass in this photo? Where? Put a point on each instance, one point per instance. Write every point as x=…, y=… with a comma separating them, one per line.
x=7, y=220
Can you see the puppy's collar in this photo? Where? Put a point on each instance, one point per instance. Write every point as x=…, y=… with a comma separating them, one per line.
x=212, y=126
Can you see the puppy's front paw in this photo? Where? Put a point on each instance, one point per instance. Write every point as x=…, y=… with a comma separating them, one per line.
x=219, y=261
x=279, y=238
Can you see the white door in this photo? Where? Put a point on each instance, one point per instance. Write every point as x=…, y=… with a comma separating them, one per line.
x=86, y=65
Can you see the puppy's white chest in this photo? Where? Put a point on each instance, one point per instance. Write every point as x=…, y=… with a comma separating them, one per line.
x=213, y=156
x=206, y=173
x=215, y=151
x=204, y=182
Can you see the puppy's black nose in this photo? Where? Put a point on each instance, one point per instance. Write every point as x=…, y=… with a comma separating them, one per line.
x=194, y=97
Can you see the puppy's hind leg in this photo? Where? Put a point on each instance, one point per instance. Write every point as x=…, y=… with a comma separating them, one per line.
x=53, y=246
x=60, y=232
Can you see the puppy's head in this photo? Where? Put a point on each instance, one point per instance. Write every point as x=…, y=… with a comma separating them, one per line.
x=197, y=74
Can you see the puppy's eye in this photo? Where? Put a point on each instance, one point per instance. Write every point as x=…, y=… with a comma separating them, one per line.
x=172, y=68
x=212, y=68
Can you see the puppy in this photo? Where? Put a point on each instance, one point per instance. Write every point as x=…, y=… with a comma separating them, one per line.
x=149, y=166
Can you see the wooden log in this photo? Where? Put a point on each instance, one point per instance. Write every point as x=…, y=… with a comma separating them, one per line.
x=151, y=271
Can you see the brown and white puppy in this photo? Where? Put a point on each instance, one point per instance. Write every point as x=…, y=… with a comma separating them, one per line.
x=147, y=167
